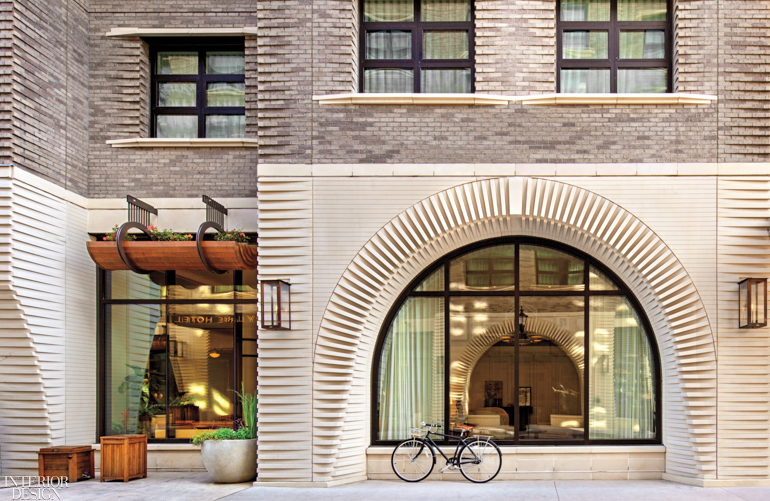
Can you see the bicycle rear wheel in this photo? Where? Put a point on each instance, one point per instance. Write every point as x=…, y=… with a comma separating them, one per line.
x=413, y=460
x=480, y=460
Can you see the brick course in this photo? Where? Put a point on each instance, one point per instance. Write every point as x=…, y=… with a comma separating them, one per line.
x=66, y=89
x=120, y=106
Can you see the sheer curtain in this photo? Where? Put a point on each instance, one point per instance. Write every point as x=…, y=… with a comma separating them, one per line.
x=622, y=384
x=225, y=63
x=411, y=378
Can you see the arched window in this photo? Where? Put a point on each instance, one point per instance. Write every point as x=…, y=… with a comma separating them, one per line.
x=526, y=340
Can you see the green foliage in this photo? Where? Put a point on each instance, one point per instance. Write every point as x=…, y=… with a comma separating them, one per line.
x=232, y=236
x=168, y=235
x=249, y=406
x=182, y=400
x=110, y=237
x=242, y=432
x=222, y=434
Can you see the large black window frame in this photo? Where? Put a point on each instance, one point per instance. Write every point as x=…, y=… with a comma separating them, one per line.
x=242, y=347
x=201, y=79
x=613, y=62
x=417, y=63
x=517, y=294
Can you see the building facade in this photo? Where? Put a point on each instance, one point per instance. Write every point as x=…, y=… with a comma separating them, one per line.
x=528, y=217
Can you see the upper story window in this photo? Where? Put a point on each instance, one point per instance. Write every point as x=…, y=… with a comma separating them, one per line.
x=197, y=90
x=417, y=46
x=613, y=46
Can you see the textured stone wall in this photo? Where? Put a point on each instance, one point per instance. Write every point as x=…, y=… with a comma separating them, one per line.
x=120, y=106
x=515, y=54
x=48, y=79
x=744, y=80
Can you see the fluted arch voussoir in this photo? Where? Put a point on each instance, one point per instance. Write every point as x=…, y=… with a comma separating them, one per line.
x=491, y=208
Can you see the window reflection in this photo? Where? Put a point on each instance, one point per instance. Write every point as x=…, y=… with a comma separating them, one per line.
x=172, y=369
x=519, y=355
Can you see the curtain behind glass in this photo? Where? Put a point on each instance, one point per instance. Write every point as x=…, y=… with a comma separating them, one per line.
x=446, y=10
x=592, y=81
x=642, y=10
x=388, y=80
x=225, y=63
x=585, y=10
x=446, y=81
x=411, y=378
x=622, y=381
x=388, y=11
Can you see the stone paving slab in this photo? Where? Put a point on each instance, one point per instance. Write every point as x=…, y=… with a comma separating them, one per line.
x=541, y=490
x=200, y=487
x=156, y=487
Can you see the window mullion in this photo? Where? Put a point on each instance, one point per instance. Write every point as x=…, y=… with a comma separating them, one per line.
x=201, y=93
x=614, y=41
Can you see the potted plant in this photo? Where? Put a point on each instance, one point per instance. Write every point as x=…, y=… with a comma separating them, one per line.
x=175, y=251
x=230, y=455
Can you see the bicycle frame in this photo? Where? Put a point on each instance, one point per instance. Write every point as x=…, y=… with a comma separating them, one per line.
x=455, y=461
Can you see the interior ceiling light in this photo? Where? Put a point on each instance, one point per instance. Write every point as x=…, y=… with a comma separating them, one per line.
x=214, y=354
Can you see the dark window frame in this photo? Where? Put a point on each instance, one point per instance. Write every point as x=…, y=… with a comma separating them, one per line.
x=417, y=63
x=613, y=27
x=201, y=79
x=516, y=294
x=102, y=302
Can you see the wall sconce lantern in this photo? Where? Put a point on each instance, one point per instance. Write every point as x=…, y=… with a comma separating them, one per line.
x=523, y=324
x=752, y=305
x=276, y=304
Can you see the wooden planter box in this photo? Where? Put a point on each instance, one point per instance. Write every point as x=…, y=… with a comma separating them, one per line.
x=162, y=256
x=123, y=457
x=75, y=463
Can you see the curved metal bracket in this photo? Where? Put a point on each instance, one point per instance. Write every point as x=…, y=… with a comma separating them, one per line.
x=199, y=242
x=121, y=234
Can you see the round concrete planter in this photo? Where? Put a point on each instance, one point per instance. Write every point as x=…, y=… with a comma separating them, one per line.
x=230, y=461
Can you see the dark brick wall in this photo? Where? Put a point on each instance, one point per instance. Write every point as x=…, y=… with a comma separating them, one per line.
x=119, y=105
x=66, y=89
x=49, y=90
x=515, y=47
x=744, y=80
x=286, y=73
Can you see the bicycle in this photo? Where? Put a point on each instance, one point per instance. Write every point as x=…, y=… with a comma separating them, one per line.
x=478, y=458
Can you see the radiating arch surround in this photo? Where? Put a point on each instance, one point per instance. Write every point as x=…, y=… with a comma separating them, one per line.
x=491, y=208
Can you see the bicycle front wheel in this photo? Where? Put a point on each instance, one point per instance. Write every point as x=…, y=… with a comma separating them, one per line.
x=413, y=460
x=480, y=460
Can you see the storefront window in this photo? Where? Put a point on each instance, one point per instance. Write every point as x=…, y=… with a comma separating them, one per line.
x=177, y=347
x=544, y=346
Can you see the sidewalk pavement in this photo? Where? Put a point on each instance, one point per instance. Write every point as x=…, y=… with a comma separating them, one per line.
x=199, y=487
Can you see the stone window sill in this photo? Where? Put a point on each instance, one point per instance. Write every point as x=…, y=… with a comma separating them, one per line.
x=152, y=142
x=180, y=32
x=533, y=99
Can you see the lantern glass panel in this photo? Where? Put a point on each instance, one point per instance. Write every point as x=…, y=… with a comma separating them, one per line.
x=758, y=303
x=743, y=297
x=285, y=314
x=269, y=305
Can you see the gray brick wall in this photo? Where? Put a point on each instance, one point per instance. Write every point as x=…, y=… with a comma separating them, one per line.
x=65, y=89
x=120, y=106
x=49, y=90
x=744, y=80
